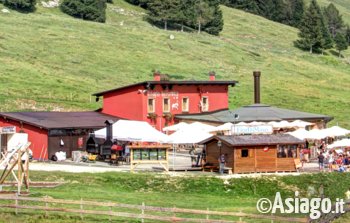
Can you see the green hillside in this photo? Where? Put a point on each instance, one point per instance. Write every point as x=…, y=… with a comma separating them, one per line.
x=50, y=61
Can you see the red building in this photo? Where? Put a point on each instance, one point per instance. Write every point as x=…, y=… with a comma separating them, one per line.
x=158, y=101
x=50, y=132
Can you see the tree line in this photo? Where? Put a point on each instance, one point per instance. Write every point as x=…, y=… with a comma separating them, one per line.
x=202, y=15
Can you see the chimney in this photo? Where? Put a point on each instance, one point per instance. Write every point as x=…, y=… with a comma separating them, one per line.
x=212, y=76
x=256, y=75
x=109, y=129
x=156, y=76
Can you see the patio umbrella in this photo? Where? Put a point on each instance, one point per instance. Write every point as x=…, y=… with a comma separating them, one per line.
x=340, y=143
x=176, y=127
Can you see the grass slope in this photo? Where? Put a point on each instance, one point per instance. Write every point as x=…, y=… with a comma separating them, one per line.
x=50, y=61
x=192, y=192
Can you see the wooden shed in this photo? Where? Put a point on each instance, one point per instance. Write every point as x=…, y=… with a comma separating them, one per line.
x=254, y=153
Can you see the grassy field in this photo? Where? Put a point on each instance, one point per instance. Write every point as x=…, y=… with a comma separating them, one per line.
x=193, y=192
x=50, y=61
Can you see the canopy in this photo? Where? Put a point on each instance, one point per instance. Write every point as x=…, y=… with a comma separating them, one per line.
x=225, y=127
x=125, y=130
x=336, y=131
x=188, y=136
x=300, y=124
x=175, y=127
x=340, y=143
x=198, y=126
x=300, y=134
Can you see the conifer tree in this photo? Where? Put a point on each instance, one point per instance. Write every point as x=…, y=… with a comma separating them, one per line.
x=334, y=19
x=298, y=8
x=340, y=43
x=203, y=13
x=163, y=11
x=216, y=24
x=311, y=35
x=347, y=33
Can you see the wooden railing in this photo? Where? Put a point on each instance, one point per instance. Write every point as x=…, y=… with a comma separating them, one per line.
x=210, y=216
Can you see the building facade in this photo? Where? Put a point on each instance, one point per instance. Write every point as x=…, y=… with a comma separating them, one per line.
x=158, y=101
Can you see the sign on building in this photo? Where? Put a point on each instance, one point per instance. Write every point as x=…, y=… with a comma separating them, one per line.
x=8, y=130
x=250, y=130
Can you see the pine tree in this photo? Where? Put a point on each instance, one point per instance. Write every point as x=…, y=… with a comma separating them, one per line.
x=163, y=11
x=93, y=10
x=334, y=19
x=216, y=24
x=21, y=5
x=203, y=13
x=347, y=33
x=310, y=34
x=298, y=8
x=340, y=42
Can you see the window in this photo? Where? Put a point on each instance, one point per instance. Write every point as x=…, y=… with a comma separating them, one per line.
x=151, y=105
x=205, y=104
x=185, y=104
x=244, y=153
x=287, y=151
x=166, y=105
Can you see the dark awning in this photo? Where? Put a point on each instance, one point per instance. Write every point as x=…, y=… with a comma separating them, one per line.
x=256, y=140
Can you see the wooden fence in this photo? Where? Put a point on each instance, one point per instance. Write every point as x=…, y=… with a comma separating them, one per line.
x=209, y=216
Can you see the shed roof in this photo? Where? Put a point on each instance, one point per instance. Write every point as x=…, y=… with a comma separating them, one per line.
x=256, y=140
x=148, y=84
x=255, y=112
x=61, y=120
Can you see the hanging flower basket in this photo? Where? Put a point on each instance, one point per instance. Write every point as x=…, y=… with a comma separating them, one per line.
x=152, y=116
x=168, y=116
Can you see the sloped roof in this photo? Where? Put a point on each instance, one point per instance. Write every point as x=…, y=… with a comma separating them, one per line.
x=256, y=140
x=147, y=84
x=255, y=112
x=62, y=120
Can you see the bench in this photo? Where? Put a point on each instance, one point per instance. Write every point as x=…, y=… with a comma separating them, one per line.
x=228, y=170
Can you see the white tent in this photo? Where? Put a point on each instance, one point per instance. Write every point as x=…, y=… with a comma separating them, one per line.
x=195, y=126
x=125, y=130
x=188, y=136
x=340, y=143
x=175, y=127
x=225, y=127
x=300, y=134
x=335, y=131
x=300, y=124
x=317, y=134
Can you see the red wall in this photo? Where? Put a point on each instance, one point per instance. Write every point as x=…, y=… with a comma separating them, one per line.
x=131, y=104
x=38, y=137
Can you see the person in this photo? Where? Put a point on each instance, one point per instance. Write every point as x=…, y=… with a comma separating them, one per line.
x=222, y=163
x=193, y=157
x=330, y=161
x=321, y=161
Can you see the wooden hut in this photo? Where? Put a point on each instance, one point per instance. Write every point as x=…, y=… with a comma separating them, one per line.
x=254, y=153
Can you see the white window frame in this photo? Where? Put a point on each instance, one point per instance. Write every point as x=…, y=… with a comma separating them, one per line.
x=168, y=105
x=188, y=104
x=203, y=107
x=154, y=105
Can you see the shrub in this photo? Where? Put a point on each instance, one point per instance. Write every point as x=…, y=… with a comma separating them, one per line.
x=20, y=5
x=93, y=10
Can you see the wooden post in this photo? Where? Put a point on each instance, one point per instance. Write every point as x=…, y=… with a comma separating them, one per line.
x=207, y=213
x=81, y=208
x=19, y=172
x=143, y=211
x=46, y=206
x=16, y=203
x=110, y=212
